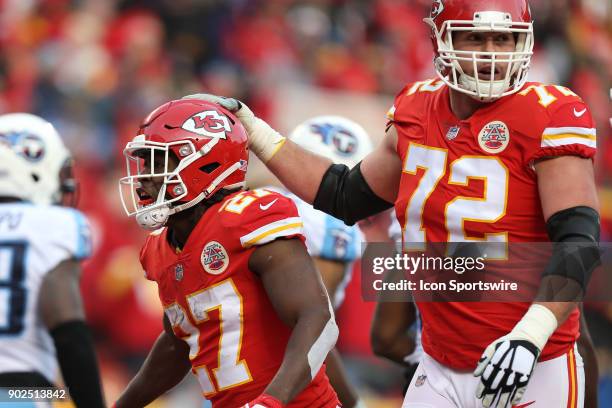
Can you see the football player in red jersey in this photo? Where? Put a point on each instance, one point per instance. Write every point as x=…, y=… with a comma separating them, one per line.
x=479, y=155
x=245, y=309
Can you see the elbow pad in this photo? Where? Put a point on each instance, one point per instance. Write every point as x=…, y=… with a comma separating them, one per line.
x=345, y=194
x=575, y=236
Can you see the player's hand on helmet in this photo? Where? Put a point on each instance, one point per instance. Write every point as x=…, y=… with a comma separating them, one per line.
x=264, y=401
x=505, y=369
x=263, y=140
x=231, y=104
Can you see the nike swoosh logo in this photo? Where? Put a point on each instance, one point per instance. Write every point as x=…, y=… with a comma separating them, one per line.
x=579, y=114
x=265, y=207
x=524, y=405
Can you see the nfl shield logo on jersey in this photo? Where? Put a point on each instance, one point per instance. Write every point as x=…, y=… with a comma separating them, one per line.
x=420, y=380
x=178, y=272
x=494, y=137
x=453, y=132
x=214, y=258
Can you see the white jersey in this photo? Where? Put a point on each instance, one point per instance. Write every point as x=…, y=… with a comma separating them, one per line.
x=395, y=233
x=329, y=238
x=33, y=241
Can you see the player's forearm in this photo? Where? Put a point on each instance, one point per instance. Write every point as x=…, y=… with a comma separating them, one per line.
x=165, y=366
x=395, y=350
x=340, y=383
x=299, y=170
x=313, y=336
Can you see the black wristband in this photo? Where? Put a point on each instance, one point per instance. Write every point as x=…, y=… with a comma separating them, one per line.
x=77, y=360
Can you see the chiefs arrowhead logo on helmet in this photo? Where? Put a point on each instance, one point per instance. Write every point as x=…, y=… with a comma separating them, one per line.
x=208, y=123
x=437, y=7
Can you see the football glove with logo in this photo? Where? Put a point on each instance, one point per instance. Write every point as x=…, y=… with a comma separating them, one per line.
x=507, y=364
x=264, y=401
x=263, y=140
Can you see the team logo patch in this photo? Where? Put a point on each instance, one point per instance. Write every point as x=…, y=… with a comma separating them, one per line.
x=453, y=132
x=437, y=7
x=214, y=258
x=337, y=137
x=344, y=142
x=208, y=123
x=420, y=380
x=28, y=146
x=178, y=272
x=494, y=137
x=341, y=242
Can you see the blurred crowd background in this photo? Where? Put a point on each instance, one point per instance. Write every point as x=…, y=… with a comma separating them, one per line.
x=95, y=68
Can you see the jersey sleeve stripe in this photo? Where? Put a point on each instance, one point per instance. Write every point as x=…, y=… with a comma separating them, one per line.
x=272, y=231
x=569, y=140
x=568, y=135
x=83, y=237
x=570, y=130
x=563, y=136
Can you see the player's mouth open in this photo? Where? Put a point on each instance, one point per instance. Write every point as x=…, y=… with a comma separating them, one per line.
x=144, y=198
x=485, y=73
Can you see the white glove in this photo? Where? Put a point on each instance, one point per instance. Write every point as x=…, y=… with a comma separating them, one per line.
x=263, y=140
x=507, y=364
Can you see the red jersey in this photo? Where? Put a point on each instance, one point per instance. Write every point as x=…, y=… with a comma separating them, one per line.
x=473, y=180
x=219, y=307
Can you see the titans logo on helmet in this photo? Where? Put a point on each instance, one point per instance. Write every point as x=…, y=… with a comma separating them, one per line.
x=31, y=147
x=339, y=138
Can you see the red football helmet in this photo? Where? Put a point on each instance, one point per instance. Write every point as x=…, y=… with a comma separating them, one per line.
x=195, y=147
x=509, y=16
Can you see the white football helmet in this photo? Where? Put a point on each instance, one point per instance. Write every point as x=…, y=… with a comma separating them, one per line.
x=335, y=137
x=35, y=165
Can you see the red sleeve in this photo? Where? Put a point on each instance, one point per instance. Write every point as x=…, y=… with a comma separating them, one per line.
x=396, y=103
x=261, y=216
x=570, y=131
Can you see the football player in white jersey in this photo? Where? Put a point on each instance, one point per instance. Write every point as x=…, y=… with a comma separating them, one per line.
x=42, y=322
x=333, y=245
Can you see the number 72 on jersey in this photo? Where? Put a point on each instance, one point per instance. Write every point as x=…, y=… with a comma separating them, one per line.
x=487, y=209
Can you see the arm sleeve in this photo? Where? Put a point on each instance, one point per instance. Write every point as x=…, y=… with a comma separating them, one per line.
x=77, y=360
x=67, y=235
x=75, y=236
x=271, y=217
x=570, y=131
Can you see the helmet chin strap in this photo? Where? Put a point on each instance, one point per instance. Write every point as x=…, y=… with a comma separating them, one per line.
x=157, y=217
x=153, y=219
